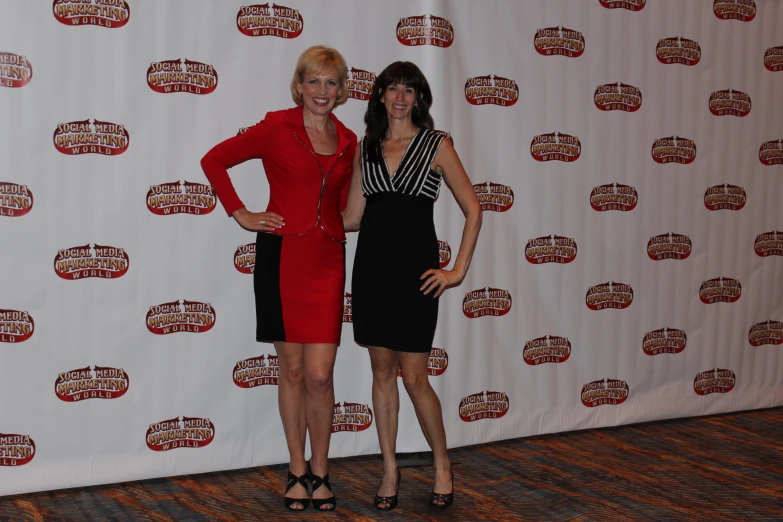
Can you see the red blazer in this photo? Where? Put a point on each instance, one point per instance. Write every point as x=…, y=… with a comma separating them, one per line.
x=299, y=191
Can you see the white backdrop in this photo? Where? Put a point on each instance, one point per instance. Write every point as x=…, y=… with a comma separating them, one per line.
x=146, y=389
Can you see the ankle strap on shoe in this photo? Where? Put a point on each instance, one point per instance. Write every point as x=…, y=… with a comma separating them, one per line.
x=320, y=481
x=293, y=480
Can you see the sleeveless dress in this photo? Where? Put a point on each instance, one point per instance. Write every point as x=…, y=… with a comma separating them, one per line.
x=397, y=244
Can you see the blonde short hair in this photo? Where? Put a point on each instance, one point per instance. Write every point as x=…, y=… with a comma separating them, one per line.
x=318, y=59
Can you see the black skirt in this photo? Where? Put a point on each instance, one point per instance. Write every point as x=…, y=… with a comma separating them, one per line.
x=397, y=244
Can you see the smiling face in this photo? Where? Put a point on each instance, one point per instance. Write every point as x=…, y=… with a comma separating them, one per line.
x=319, y=91
x=399, y=100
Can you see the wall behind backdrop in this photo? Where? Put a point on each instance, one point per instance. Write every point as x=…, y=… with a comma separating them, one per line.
x=628, y=156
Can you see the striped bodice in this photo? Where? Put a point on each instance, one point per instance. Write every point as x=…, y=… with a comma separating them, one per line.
x=414, y=176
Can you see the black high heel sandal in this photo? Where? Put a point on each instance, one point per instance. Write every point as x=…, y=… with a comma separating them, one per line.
x=293, y=480
x=391, y=501
x=317, y=481
x=447, y=499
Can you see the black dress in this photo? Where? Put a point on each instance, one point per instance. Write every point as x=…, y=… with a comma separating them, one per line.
x=397, y=244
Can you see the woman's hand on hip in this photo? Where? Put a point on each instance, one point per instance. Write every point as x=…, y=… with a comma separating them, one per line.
x=258, y=221
x=440, y=280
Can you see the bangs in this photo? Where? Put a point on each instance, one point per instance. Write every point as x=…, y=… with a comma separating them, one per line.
x=322, y=65
x=404, y=73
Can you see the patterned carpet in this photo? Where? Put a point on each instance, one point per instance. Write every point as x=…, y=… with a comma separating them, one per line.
x=727, y=467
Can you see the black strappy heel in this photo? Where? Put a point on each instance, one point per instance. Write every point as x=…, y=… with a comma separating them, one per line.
x=391, y=501
x=447, y=499
x=293, y=480
x=317, y=481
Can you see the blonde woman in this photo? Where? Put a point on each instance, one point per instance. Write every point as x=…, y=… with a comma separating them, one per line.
x=299, y=276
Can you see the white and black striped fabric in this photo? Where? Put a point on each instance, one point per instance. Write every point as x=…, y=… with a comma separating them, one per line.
x=414, y=176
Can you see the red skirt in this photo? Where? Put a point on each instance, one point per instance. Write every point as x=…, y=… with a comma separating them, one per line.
x=299, y=284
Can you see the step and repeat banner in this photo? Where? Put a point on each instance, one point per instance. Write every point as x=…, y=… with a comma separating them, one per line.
x=628, y=155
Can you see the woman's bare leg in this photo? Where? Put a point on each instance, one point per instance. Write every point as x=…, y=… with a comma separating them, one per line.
x=428, y=411
x=291, y=402
x=386, y=404
x=318, y=376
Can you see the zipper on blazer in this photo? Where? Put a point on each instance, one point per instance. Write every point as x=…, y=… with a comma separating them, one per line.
x=318, y=220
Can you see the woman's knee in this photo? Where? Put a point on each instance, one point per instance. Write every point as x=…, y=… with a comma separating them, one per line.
x=319, y=378
x=385, y=373
x=292, y=371
x=416, y=383
x=292, y=374
x=291, y=360
x=385, y=365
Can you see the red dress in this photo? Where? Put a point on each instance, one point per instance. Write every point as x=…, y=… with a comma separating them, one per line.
x=299, y=276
